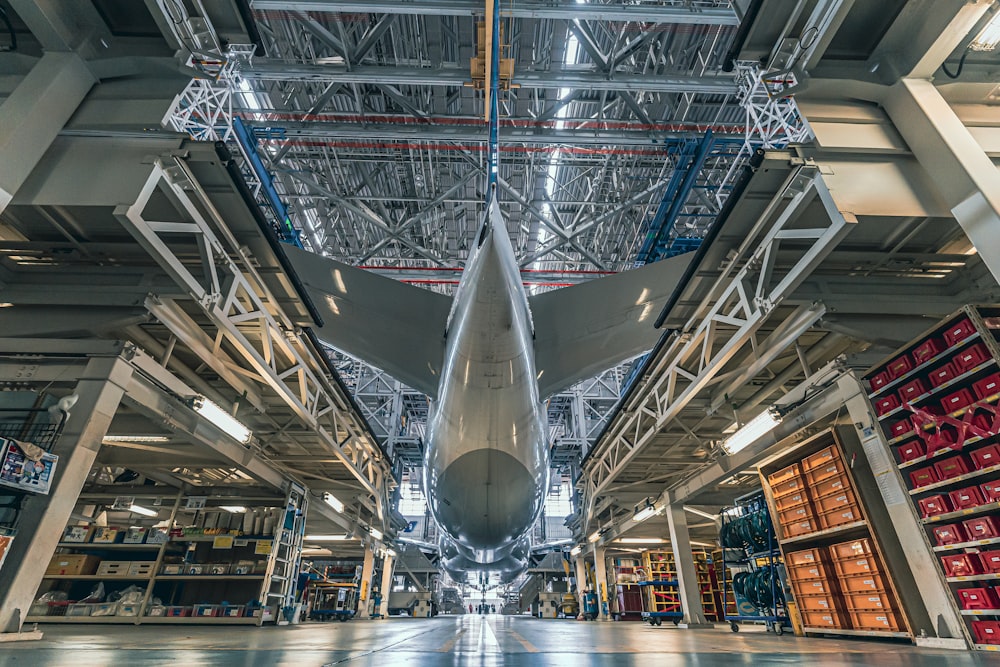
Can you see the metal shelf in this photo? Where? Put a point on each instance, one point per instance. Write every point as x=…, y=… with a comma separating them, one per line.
x=827, y=532
x=98, y=577
x=966, y=545
x=988, y=507
x=940, y=452
x=110, y=546
x=958, y=379
x=945, y=354
x=987, y=647
x=208, y=577
x=975, y=577
x=954, y=480
x=856, y=633
x=129, y=620
x=164, y=620
x=980, y=612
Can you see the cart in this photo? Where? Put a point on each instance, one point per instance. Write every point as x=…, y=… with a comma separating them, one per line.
x=663, y=602
x=753, y=572
x=328, y=600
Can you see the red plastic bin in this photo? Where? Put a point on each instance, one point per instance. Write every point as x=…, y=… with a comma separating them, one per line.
x=911, y=450
x=987, y=456
x=977, y=598
x=886, y=404
x=879, y=380
x=923, y=476
x=981, y=528
x=987, y=386
x=968, y=359
x=961, y=565
x=951, y=533
x=959, y=331
x=953, y=466
x=902, y=427
x=928, y=349
x=942, y=374
x=912, y=390
x=991, y=491
x=934, y=505
x=990, y=560
x=899, y=366
x=965, y=498
x=958, y=400
x=986, y=632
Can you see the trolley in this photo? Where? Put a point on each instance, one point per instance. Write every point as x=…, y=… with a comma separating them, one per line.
x=753, y=572
x=329, y=600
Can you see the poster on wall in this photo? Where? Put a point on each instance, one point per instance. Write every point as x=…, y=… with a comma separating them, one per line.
x=6, y=537
x=27, y=473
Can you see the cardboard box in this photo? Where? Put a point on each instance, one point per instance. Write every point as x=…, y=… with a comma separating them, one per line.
x=72, y=564
x=77, y=534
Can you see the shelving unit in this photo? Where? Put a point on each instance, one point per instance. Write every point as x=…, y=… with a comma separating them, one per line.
x=661, y=591
x=946, y=446
x=184, y=577
x=628, y=572
x=833, y=560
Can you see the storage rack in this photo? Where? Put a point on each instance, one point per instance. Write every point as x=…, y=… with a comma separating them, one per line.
x=172, y=564
x=628, y=572
x=749, y=552
x=936, y=400
x=833, y=561
x=662, y=596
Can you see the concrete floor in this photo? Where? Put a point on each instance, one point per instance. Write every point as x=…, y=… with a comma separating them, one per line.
x=463, y=640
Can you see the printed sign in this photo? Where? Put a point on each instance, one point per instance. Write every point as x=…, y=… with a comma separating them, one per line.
x=263, y=547
x=222, y=542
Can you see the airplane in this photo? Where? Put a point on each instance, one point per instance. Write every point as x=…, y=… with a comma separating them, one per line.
x=488, y=359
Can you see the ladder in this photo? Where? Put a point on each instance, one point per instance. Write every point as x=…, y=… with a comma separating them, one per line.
x=283, y=567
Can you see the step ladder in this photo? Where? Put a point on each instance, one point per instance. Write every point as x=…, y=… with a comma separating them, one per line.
x=285, y=561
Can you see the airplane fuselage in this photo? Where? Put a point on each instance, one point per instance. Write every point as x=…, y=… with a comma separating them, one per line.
x=486, y=462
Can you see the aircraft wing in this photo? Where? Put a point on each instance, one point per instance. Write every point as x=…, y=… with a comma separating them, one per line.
x=391, y=325
x=587, y=328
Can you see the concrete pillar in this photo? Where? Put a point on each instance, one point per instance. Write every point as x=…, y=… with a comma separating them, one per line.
x=44, y=518
x=962, y=172
x=580, y=566
x=34, y=114
x=687, y=575
x=387, y=566
x=601, y=574
x=365, y=593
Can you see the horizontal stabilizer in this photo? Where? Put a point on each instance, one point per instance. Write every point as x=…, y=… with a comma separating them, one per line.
x=391, y=325
x=587, y=328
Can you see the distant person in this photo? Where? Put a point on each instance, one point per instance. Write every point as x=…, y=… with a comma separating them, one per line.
x=470, y=607
x=493, y=609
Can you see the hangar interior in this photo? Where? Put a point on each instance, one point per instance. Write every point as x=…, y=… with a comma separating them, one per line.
x=809, y=447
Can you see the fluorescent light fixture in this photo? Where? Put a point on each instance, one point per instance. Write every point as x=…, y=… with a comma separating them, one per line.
x=333, y=502
x=594, y=536
x=575, y=551
x=376, y=533
x=326, y=538
x=222, y=419
x=235, y=509
x=145, y=511
x=136, y=438
x=989, y=37
x=644, y=512
x=641, y=540
x=753, y=429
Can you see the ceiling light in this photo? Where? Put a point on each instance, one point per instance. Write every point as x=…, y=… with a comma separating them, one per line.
x=988, y=37
x=326, y=538
x=751, y=431
x=641, y=540
x=644, y=512
x=6, y=304
x=333, y=502
x=575, y=551
x=376, y=533
x=222, y=419
x=594, y=536
x=145, y=511
x=235, y=509
x=136, y=438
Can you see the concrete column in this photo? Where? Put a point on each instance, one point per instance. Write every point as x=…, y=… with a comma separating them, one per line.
x=964, y=175
x=601, y=574
x=580, y=566
x=35, y=113
x=687, y=575
x=365, y=593
x=387, y=566
x=44, y=518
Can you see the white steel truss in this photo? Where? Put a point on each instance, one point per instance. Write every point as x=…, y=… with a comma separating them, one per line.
x=236, y=300
x=740, y=302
